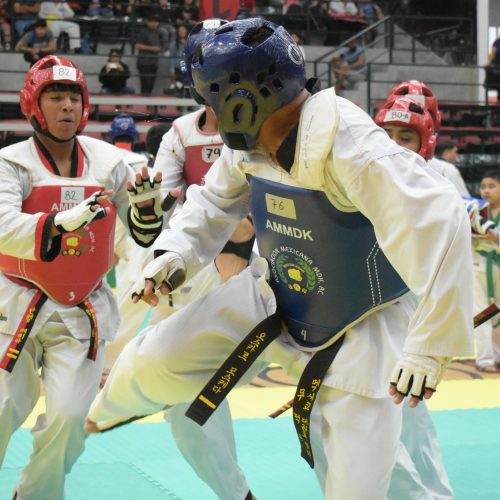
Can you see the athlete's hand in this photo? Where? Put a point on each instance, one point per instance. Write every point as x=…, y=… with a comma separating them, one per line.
x=418, y=374
x=85, y=212
x=479, y=224
x=164, y=273
x=145, y=200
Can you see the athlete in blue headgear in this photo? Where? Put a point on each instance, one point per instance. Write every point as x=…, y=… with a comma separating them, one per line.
x=186, y=152
x=347, y=222
x=123, y=132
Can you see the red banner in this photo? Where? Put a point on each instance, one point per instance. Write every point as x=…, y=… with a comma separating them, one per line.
x=223, y=9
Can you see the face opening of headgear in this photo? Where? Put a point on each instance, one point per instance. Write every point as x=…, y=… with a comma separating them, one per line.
x=51, y=70
x=405, y=112
x=246, y=70
x=420, y=93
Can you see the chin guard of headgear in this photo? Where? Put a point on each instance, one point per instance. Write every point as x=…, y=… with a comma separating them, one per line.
x=420, y=93
x=246, y=70
x=47, y=71
x=405, y=112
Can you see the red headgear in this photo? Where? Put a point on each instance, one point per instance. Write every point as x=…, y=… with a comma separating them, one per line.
x=405, y=112
x=421, y=93
x=49, y=70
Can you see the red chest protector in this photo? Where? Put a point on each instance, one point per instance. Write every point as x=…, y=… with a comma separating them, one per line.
x=86, y=254
x=199, y=158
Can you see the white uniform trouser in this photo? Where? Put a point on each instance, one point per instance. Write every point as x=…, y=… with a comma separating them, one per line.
x=69, y=27
x=170, y=362
x=419, y=473
x=70, y=382
x=487, y=336
x=210, y=450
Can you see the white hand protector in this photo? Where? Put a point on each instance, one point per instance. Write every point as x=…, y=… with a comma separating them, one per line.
x=150, y=217
x=80, y=215
x=418, y=373
x=478, y=221
x=168, y=269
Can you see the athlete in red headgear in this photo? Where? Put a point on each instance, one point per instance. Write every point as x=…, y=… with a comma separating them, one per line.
x=59, y=193
x=409, y=124
x=421, y=93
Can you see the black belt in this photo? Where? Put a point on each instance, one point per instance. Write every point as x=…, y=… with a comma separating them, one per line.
x=24, y=328
x=235, y=366
x=240, y=360
x=305, y=395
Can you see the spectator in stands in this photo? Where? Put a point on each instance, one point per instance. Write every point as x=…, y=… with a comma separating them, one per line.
x=343, y=7
x=123, y=7
x=349, y=66
x=164, y=13
x=24, y=14
x=176, y=51
x=187, y=14
x=370, y=11
x=56, y=14
x=492, y=67
x=99, y=8
x=37, y=43
x=5, y=29
x=448, y=151
x=114, y=75
x=148, y=46
x=144, y=9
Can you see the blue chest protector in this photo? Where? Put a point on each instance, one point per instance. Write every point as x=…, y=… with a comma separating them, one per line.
x=327, y=269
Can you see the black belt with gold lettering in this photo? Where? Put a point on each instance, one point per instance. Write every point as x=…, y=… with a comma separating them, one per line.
x=235, y=366
x=305, y=395
x=240, y=360
x=19, y=339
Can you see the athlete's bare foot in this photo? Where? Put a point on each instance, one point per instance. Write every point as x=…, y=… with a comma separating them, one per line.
x=90, y=427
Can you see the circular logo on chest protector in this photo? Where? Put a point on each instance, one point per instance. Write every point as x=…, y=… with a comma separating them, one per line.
x=296, y=273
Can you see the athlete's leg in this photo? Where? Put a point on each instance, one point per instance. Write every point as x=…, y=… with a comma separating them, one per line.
x=19, y=390
x=70, y=381
x=170, y=362
x=210, y=450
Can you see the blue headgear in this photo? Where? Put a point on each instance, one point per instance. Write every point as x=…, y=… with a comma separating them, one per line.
x=197, y=35
x=123, y=124
x=246, y=70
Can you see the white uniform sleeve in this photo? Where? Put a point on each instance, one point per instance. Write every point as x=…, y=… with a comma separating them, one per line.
x=421, y=225
x=170, y=161
x=450, y=172
x=209, y=216
x=17, y=229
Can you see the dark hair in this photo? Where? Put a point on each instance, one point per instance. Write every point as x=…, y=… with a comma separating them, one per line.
x=40, y=23
x=492, y=174
x=126, y=139
x=115, y=52
x=154, y=137
x=63, y=87
x=441, y=147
